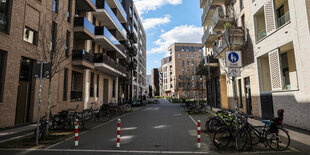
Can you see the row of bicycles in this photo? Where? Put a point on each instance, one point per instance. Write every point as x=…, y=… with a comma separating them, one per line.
x=64, y=120
x=194, y=107
x=235, y=130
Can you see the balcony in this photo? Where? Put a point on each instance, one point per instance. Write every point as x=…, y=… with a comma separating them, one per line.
x=208, y=62
x=203, y=3
x=83, y=29
x=105, y=39
x=105, y=15
x=85, y=5
x=109, y=66
x=219, y=19
x=82, y=59
x=121, y=13
x=233, y=39
x=133, y=36
x=209, y=37
x=283, y=20
x=210, y=5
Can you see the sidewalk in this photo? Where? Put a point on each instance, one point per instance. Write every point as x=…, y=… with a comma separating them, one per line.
x=298, y=135
x=22, y=131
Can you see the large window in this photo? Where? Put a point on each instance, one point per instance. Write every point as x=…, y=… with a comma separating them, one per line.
x=91, y=87
x=30, y=36
x=55, y=6
x=67, y=44
x=65, y=86
x=76, y=86
x=53, y=36
x=2, y=73
x=4, y=15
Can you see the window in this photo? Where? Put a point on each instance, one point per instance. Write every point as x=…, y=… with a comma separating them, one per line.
x=187, y=49
x=93, y=47
x=193, y=84
x=193, y=64
x=241, y=5
x=192, y=49
x=53, y=36
x=242, y=21
x=193, y=78
x=114, y=88
x=187, y=70
x=179, y=55
x=187, y=63
x=91, y=87
x=187, y=55
x=65, y=86
x=192, y=56
x=94, y=20
x=69, y=11
x=199, y=56
x=97, y=85
x=182, y=63
x=76, y=86
x=182, y=70
x=200, y=49
x=182, y=49
x=193, y=70
x=30, y=36
x=2, y=73
x=285, y=71
x=4, y=15
x=67, y=44
x=55, y=6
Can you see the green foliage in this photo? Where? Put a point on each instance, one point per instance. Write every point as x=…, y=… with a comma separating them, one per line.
x=227, y=25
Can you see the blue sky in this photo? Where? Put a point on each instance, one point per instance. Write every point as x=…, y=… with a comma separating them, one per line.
x=166, y=22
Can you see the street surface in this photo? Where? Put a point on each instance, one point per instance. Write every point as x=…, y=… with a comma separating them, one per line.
x=163, y=128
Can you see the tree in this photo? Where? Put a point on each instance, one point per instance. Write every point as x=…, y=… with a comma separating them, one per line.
x=52, y=49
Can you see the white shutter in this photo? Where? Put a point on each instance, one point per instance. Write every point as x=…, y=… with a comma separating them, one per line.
x=275, y=72
x=270, y=17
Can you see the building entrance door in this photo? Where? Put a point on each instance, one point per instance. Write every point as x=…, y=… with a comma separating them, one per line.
x=105, y=91
x=24, y=96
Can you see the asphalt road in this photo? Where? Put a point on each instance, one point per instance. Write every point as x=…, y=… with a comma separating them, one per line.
x=155, y=129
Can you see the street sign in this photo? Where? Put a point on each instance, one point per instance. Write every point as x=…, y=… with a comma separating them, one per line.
x=234, y=72
x=233, y=59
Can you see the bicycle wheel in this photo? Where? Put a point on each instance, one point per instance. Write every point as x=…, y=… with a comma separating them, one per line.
x=222, y=138
x=87, y=114
x=81, y=122
x=104, y=115
x=214, y=124
x=242, y=138
x=127, y=107
x=279, y=140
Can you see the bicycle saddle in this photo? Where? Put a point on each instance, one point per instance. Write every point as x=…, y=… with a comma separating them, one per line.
x=266, y=122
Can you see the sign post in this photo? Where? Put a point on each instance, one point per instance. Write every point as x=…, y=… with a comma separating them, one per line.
x=234, y=62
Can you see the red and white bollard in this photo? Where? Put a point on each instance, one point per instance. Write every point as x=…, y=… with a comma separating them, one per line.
x=76, y=132
x=118, y=142
x=198, y=134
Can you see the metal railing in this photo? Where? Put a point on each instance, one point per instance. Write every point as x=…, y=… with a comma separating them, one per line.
x=82, y=55
x=121, y=8
x=284, y=19
x=82, y=21
x=206, y=35
x=206, y=11
x=103, y=58
x=261, y=34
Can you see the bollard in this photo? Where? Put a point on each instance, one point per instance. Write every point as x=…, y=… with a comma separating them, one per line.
x=118, y=133
x=76, y=132
x=198, y=134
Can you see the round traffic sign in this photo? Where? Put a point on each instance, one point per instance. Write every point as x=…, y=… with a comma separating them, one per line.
x=233, y=57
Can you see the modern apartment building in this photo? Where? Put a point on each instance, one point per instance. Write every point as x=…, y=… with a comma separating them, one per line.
x=96, y=40
x=272, y=36
x=179, y=69
x=155, y=82
x=166, y=68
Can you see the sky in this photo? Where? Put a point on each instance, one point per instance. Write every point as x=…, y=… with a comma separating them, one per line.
x=167, y=22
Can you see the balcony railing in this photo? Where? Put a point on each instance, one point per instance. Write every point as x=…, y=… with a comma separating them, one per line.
x=83, y=56
x=103, y=58
x=284, y=19
x=219, y=19
x=206, y=12
x=83, y=22
x=209, y=36
x=104, y=5
x=102, y=30
x=121, y=8
x=261, y=34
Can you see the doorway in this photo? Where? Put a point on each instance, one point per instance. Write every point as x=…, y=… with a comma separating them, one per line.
x=105, y=91
x=24, y=94
x=248, y=96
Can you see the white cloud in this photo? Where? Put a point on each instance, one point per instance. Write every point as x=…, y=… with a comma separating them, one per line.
x=183, y=33
x=150, y=23
x=143, y=6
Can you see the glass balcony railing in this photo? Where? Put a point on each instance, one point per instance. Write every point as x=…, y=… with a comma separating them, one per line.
x=261, y=34
x=103, y=58
x=284, y=19
x=121, y=8
x=101, y=30
x=83, y=56
x=104, y=5
x=82, y=21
